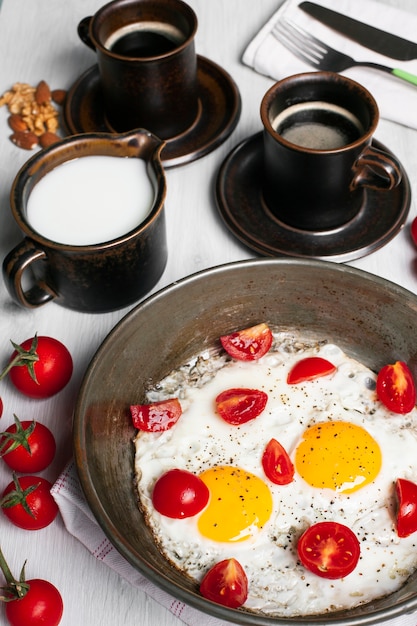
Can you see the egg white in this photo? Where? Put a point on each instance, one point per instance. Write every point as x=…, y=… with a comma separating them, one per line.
x=278, y=584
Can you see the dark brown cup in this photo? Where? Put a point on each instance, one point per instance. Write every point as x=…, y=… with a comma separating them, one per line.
x=148, y=74
x=320, y=183
x=90, y=278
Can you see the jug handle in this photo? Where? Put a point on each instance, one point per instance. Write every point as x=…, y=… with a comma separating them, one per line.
x=84, y=32
x=15, y=263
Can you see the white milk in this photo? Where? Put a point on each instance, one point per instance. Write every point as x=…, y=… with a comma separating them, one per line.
x=91, y=200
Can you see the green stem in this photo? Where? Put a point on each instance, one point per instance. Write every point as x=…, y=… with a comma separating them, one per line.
x=23, y=357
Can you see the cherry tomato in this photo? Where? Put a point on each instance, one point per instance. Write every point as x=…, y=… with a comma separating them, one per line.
x=39, y=367
x=395, y=388
x=179, y=494
x=309, y=368
x=27, y=447
x=249, y=344
x=226, y=583
x=157, y=416
x=277, y=464
x=33, y=602
x=28, y=503
x=237, y=406
x=1, y=407
x=329, y=549
x=414, y=231
x=406, y=492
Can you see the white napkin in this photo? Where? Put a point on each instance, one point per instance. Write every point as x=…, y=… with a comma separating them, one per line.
x=80, y=522
x=397, y=100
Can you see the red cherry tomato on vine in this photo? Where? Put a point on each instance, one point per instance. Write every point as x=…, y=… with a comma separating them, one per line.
x=406, y=492
x=309, y=368
x=27, y=447
x=39, y=367
x=226, y=583
x=28, y=503
x=179, y=494
x=249, y=344
x=395, y=388
x=329, y=549
x=41, y=606
x=237, y=406
x=157, y=416
x=277, y=465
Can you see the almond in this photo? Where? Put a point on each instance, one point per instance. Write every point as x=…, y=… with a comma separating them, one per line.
x=42, y=93
x=58, y=96
x=48, y=138
x=17, y=123
x=26, y=140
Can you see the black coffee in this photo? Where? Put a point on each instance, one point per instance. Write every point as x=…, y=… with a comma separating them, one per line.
x=142, y=43
x=318, y=125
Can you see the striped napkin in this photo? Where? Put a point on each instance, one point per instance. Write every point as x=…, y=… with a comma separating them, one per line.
x=397, y=100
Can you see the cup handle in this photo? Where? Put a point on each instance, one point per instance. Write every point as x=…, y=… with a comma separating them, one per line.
x=376, y=169
x=84, y=32
x=15, y=263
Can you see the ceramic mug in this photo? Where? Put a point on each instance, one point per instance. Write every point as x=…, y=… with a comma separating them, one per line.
x=147, y=64
x=318, y=153
x=95, y=277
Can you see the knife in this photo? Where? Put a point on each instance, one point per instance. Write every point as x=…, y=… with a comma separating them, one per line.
x=368, y=36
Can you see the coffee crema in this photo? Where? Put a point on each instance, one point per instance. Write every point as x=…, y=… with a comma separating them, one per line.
x=318, y=125
x=144, y=39
x=91, y=200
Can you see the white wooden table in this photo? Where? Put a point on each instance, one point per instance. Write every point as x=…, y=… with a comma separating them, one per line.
x=38, y=40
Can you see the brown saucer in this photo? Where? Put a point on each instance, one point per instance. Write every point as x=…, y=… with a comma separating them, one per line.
x=220, y=111
x=241, y=205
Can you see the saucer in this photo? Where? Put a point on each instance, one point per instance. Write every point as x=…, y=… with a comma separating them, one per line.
x=219, y=112
x=242, y=206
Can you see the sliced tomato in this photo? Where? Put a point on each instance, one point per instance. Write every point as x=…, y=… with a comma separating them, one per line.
x=249, y=344
x=226, y=583
x=157, y=416
x=179, y=494
x=329, y=549
x=309, y=368
x=395, y=387
x=277, y=465
x=237, y=406
x=406, y=492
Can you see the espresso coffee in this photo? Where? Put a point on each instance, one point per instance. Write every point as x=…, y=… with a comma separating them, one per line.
x=318, y=125
x=144, y=39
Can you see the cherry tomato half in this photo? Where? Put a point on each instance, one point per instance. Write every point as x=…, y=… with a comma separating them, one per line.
x=406, y=492
x=329, y=549
x=157, y=416
x=249, y=344
x=237, y=406
x=226, y=583
x=309, y=368
x=277, y=464
x=28, y=503
x=42, y=605
x=395, y=388
x=179, y=494
x=40, y=367
x=27, y=447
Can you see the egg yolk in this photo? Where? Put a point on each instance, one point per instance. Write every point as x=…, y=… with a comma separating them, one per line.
x=240, y=504
x=339, y=456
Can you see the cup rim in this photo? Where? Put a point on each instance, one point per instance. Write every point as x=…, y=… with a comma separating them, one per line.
x=315, y=77
x=187, y=10
x=21, y=185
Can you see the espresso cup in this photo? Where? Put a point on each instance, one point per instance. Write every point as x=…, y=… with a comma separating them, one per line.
x=318, y=153
x=147, y=64
x=95, y=237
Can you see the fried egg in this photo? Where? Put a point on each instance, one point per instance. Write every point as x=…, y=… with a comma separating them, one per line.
x=347, y=450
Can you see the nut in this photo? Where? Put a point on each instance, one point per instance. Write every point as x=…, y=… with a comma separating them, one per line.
x=42, y=93
x=17, y=123
x=58, y=96
x=26, y=140
x=48, y=139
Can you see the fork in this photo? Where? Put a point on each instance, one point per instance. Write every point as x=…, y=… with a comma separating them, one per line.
x=318, y=54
